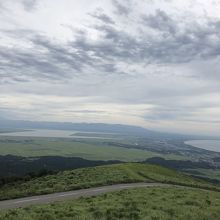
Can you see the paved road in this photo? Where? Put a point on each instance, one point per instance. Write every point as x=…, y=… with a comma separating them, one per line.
x=42, y=199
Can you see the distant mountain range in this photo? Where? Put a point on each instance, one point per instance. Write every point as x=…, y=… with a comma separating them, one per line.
x=89, y=127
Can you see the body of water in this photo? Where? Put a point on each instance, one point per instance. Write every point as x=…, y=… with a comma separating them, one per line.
x=212, y=145
x=53, y=134
x=40, y=133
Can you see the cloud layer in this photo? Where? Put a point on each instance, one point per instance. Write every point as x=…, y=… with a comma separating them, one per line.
x=149, y=63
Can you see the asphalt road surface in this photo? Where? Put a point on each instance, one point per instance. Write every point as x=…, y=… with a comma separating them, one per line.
x=42, y=199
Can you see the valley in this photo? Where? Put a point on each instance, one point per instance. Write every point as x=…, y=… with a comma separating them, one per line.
x=38, y=163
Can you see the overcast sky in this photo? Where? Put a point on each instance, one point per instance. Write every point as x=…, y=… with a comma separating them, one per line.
x=154, y=63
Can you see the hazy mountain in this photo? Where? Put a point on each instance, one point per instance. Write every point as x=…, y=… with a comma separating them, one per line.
x=87, y=127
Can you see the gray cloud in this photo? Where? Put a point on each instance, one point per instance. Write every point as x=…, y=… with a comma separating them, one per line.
x=172, y=45
x=2, y=8
x=29, y=5
x=122, y=7
x=183, y=44
x=161, y=21
x=85, y=111
x=125, y=57
x=46, y=60
x=102, y=17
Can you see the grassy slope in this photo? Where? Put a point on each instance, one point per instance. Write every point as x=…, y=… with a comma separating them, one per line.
x=210, y=173
x=97, y=176
x=144, y=204
x=87, y=149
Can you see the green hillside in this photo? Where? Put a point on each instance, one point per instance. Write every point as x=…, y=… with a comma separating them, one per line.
x=98, y=176
x=145, y=204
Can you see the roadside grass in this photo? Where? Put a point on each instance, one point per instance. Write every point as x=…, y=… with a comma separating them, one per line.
x=145, y=204
x=99, y=176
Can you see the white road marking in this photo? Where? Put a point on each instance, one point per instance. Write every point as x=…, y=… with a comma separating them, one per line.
x=26, y=200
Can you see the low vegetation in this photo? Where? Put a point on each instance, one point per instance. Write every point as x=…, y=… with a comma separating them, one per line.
x=90, y=149
x=144, y=204
x=98, y=176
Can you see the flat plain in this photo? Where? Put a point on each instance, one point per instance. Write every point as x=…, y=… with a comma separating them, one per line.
x=92, y=149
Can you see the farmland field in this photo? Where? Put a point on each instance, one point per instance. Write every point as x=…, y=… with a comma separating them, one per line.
x=33, y=147
x=87, y=148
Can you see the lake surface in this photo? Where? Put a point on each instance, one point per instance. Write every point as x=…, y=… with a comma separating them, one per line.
x=53, y=134
x=212, y=145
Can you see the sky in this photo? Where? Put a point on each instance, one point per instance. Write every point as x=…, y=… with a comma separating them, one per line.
x=152, y=63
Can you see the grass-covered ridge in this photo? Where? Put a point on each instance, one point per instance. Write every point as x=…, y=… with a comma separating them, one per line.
x=138, y=204
x=98, y=176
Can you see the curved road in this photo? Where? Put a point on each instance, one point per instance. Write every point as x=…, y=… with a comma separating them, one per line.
x=42, y=199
